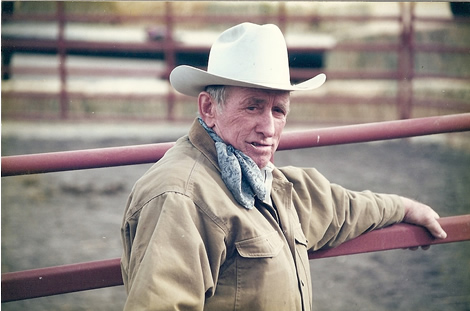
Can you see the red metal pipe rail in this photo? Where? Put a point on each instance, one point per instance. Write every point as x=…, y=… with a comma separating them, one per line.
x=398, y=236
x=218, y=18
x=204, y=18
x=99, y=274
x=60, y=280
x=129, y=155
x=375, y=131
x=82, y=159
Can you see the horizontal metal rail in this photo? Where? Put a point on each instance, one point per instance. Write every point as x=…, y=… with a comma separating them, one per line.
x=219, y=18
x=398, y=236
x=82, y=159
x=99, y=274
x=141, y=154
x=60, y=279
x=206, y=18
x=375, y=131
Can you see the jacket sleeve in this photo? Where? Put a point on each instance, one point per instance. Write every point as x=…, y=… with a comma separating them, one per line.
x=172, y=253
x=330, y=214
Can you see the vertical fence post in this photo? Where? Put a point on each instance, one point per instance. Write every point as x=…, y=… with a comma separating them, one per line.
x=170, y=58
x=7, y=11
x=281, y=16
x=405, y=62
x=61, y=51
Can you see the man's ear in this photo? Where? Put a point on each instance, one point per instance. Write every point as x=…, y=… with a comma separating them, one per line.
x=207, y=108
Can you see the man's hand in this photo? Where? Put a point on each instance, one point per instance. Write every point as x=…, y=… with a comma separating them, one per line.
x=422, y=215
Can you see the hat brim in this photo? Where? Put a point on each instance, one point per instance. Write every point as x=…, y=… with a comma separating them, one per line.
x=191, y=81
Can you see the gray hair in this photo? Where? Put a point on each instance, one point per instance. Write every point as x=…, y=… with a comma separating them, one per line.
x=218, y=93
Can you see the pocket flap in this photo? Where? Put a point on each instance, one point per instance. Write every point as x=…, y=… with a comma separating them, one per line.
x=266, y=245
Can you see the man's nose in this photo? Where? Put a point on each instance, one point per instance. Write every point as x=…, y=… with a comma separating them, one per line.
x=266, y=124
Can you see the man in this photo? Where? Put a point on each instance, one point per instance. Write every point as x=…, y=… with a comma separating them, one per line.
x=214, y=225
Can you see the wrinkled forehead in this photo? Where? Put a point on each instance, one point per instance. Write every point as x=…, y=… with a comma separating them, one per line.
x=243, y=93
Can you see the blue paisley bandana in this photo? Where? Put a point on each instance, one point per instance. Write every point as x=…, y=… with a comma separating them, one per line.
x=240, y=173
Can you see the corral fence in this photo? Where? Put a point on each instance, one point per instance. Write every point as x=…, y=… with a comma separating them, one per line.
x=106, y=273
x=99, y=274
x=163, y=44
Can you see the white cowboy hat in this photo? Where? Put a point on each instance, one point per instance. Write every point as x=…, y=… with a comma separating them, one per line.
x=246, y=55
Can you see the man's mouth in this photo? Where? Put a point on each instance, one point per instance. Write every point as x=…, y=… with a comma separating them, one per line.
x=259, y=144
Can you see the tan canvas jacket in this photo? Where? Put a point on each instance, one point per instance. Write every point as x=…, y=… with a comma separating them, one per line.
x=188, y=245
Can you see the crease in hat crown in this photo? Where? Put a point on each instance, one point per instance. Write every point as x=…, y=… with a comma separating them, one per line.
x=248, y=55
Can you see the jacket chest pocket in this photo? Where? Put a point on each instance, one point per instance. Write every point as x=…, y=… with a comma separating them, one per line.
x=264, y=246
x=265, y=272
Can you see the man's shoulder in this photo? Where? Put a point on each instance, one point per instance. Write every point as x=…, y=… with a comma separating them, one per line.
x=184, y=173
x=180, y=167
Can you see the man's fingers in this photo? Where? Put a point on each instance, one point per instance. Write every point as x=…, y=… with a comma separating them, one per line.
x=423, y=215
x=436, y=230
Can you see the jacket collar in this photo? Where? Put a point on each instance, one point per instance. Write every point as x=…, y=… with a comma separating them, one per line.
x=201, y=140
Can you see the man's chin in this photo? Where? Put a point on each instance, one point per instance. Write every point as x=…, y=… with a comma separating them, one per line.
x=261, y=158
x=262, y=162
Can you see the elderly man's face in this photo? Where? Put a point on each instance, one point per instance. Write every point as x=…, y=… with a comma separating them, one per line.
x=252, y=121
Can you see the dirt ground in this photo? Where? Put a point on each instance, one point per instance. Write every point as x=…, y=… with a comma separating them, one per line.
x=70, y=217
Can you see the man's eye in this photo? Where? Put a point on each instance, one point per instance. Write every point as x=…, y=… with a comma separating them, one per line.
x=279, y=111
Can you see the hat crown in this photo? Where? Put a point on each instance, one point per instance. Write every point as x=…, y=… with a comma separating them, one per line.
x=252, y=53
x=246, y=55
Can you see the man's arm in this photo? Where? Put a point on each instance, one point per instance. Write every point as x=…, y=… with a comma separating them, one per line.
x=174, y=256
x=420, y=214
